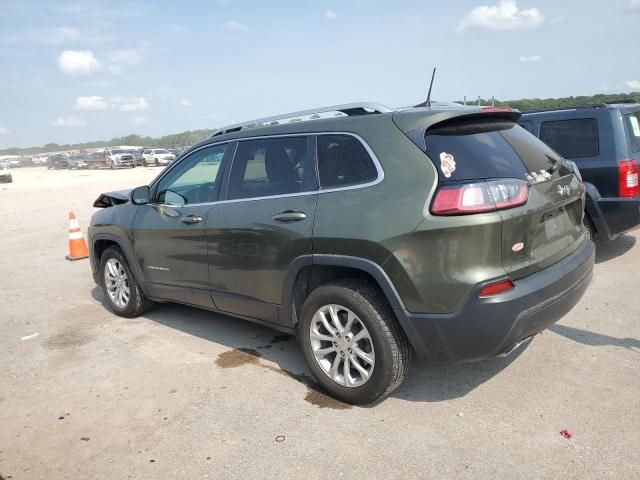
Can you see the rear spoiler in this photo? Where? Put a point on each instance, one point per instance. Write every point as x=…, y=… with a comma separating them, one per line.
x=415, y=122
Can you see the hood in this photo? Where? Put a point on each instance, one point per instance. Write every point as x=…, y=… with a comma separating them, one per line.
x=111, y=199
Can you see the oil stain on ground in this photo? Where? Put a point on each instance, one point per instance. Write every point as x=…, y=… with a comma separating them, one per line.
x=238, y=357
x=67, y=339
x=248, y=356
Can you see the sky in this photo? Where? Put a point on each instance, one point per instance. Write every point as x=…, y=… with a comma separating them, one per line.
x=79, y=71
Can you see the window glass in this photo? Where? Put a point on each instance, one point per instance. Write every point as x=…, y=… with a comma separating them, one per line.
x=270, y=166
x=572, y=138
x=194, y=180
x=633, y=123
x=469, y=149
x=343, y=161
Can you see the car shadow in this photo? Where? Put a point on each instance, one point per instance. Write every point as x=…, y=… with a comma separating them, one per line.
x=606, y=251
x=593, y=339
x=253, y=344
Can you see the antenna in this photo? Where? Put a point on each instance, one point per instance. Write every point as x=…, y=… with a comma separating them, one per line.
x=427, y=103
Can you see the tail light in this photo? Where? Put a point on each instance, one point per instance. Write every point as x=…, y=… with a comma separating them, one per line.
x=628, y=172
x=479, y=197
x=495, y=288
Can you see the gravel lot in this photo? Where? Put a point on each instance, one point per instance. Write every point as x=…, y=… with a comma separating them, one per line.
x=86, y=394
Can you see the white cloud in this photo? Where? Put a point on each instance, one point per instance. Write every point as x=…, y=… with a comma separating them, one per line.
x=634, y=4
x=633, y=84
x=185, y=103
x=91, y=104
x=501, y=17
x=330, y=15
x=139, y=120
x=114, y=69
x=125, y=57
x=78, y=62
x=131, y=104
x=235, y=26
x=4, y=131
x=68, y=122
x=531, y=59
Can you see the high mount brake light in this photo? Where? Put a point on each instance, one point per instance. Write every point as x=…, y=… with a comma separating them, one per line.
x=479, y=197
x=496, y=109
x=628, y=173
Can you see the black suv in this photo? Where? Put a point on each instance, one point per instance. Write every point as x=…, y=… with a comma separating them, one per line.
x=54, y=162
x=447, y=231
x=604, y=141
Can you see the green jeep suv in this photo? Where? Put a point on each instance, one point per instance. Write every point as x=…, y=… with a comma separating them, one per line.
x=369, y=233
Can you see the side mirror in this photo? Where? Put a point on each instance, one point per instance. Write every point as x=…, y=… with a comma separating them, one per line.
x=141, y=195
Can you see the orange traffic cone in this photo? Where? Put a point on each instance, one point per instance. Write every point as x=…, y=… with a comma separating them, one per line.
x=77, y=246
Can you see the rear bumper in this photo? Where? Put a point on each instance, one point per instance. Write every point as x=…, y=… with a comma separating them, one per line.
x=486, y=327
x=619, y=215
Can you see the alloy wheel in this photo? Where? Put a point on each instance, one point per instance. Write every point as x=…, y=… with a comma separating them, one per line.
x=117, y=283
x=342, y=345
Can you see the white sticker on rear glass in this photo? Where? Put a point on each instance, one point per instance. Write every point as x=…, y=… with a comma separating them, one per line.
x=635, y=125
x=447, y=164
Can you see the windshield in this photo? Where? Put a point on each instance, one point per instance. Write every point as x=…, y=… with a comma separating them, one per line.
x=118, y=151
x=633, y=125
x=161, y=151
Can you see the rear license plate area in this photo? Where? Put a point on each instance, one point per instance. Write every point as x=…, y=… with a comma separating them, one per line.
x=556, y=223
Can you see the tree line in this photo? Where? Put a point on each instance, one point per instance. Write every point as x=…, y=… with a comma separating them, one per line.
x=193, y=136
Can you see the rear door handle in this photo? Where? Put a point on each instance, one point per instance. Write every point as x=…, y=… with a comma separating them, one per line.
x=191, y=219
x=289, y=216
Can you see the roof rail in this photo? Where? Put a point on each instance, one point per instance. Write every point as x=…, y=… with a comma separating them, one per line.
x=572, y=107
x=350, y=109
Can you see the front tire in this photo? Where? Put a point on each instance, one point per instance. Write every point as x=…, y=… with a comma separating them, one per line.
x=123, y=294
x=352, y=342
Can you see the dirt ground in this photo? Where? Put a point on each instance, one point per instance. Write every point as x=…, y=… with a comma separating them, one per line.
x=184, y=393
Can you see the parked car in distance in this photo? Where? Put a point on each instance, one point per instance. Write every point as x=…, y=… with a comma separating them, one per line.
x=97, y=160
x=604, y=142
x=57, y=161
x=175, y=151
x=118, y=158
x=77, y=162
x=137, y=156
x=39, y=160
x=157, y=157
x=447, y=231
x=15, y=163
x=5, y=175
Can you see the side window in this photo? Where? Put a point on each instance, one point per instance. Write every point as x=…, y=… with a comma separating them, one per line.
x=271, y=166
x=195, y=179
x=572, y=138
x=343, y=161
x=633, y=120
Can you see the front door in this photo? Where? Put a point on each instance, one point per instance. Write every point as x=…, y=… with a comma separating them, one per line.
x=169, y=237
x=264, y=223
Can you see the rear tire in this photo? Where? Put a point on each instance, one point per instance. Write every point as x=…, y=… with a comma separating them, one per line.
x=386, y=344
x=115, y=273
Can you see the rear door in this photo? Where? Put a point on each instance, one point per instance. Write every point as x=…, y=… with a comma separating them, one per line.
x=264, y=224
x=548, y=226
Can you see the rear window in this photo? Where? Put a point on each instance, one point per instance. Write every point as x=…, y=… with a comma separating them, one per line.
x=486, y=148
x=572, y=138
x=633, y=125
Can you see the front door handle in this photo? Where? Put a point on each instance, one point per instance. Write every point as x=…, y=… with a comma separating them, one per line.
x=289, y=216
x=191, y=219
